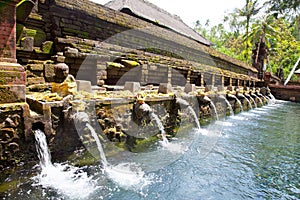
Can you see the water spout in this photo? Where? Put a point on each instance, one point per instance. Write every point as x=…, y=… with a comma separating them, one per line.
x=195, y=117
x=273, y=99
x=42, y=149
x=268, y=99
x=258, y=99
x=99, y=146
x=264, y=98
x=161, y=128
x=249, y=103
x=213, y=105
x=252, y=100
x=184, y=104
x=228, y=104
x=237, y=100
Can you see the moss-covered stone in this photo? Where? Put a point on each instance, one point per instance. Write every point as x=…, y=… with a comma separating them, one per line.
x=113, y=64
x=29, y=32
x=39, y=38
x=130, y=63
x=47, y=47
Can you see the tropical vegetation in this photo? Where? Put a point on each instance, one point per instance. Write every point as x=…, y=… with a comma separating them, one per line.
x=273, y=27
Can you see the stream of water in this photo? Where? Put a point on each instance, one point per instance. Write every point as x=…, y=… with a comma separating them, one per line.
x=161, y=128
x=255, y=105
x=239, y=102
x=256, y=156
x=248, y=102
x=260, y=101
x=228, y=104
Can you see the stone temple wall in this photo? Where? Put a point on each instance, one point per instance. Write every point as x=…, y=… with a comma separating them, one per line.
x=90, y=29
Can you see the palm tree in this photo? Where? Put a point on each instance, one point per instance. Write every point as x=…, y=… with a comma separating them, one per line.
x=262, y=35
x=249, y=10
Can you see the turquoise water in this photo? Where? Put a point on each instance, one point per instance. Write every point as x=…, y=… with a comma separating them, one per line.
x=252, y=155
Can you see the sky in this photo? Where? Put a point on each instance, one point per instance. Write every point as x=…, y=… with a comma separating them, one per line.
x=192, y=10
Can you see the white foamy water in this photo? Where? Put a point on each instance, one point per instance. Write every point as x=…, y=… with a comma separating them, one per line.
x=203, y=131
x=128, y=176
x=238, y=117
x=175, y=148
x=258, y=111
x=249, y=114
x=67, y=180
x=223, y=123
x=264, y=109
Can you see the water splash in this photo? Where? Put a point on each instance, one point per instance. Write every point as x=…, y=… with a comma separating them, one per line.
x=228, y=104
x=272, y=97
x=128, y=176
x=161, y=128
x=213, y=105
x=99, y=146
x=67, y=180
x=268, y=99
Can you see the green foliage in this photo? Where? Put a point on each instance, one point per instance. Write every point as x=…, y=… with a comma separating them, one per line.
x=285, y=7
x=281, y=33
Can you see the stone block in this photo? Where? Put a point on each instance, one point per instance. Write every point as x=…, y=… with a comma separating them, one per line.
x=189, y=88
x=132, y=86
x=12, y=77
x=83, y=85
x=49, y=72
x=165, y=88
x=47, y=47
x=35, y=67
x=15, y=134
x=35, y=80
x=71, y=52
x=27, y=43
x=58, y=58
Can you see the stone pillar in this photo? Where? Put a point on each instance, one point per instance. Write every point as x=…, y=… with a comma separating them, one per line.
x=101, y=72
x=170, y=74
x=213, y=77
x=223, y=80
x=202, y=79
x=230, y=81
x=188, y=77
x=12, y=75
